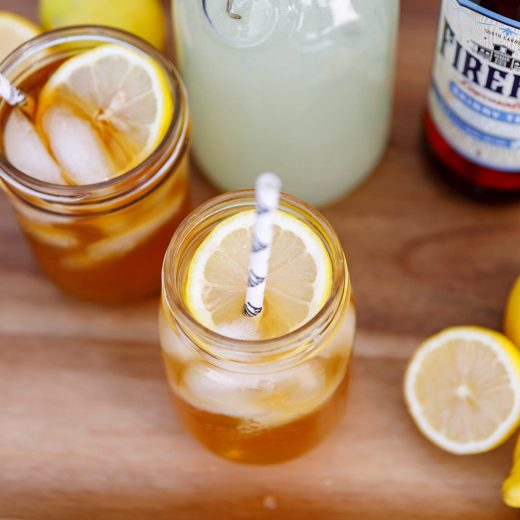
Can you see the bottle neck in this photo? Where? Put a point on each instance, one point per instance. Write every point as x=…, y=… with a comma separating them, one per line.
x=507, y=8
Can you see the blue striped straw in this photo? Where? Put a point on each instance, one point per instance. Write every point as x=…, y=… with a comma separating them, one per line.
x=267, y=192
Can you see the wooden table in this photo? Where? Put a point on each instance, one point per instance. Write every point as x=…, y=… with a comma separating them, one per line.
x=86, y=426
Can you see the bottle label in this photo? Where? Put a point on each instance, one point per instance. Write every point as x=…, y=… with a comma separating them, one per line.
x=474, y=98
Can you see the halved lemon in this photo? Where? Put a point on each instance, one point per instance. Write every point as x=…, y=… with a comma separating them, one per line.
x=512, y=316
x=14, y=30
x=462, y=388
x=122, y=93
x=299, y=280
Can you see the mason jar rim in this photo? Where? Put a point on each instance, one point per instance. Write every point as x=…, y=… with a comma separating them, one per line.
x=130, y=180
x=289, y=348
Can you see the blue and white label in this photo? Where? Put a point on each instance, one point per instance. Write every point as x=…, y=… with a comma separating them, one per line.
x=475, y=94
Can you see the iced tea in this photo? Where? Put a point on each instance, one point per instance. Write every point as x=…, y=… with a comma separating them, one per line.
x=99, y=234
x=249, y=400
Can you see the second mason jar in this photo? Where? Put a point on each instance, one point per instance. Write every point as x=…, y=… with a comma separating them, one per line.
x=104, y=241
x=302, y=88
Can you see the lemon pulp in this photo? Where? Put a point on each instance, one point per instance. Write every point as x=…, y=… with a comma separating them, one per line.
x=299, y=280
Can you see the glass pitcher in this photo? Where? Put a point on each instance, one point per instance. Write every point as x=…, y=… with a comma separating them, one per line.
x=300, y=87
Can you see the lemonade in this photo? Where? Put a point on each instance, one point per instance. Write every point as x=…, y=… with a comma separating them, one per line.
x=299, y=87
x=256, y=390
x=97, y=169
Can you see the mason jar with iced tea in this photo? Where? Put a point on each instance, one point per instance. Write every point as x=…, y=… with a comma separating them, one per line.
x=95, y=163
x=267, y=389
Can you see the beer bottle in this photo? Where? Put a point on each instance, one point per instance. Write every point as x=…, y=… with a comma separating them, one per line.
x=473, y=118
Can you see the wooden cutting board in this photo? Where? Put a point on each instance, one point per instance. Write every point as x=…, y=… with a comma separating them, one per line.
x=86, y=427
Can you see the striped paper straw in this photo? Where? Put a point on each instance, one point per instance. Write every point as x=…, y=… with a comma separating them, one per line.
x=268, y=186
x=10, y=93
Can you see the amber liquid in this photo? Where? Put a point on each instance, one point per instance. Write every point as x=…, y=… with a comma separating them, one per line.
x=226, y=436
x=114, y=256
x=508, y=8
x=468, y=176
x=118, y=278
x=259, y=419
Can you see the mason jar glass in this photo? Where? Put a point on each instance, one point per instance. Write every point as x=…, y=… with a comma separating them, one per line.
x=105, y=241
x=262, y=401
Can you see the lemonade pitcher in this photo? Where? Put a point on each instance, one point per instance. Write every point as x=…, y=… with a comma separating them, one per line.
x=300, y=87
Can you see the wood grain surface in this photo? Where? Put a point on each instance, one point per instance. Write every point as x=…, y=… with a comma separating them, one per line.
x=86, y=426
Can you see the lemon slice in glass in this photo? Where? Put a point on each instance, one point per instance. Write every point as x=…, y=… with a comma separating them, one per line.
x=14, y=30
x=462, y=388
x=112, y=95
x=298, y=283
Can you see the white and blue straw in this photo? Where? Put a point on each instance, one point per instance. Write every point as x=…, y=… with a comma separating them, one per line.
x=267, y=189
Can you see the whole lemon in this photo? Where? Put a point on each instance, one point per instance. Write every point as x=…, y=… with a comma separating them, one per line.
x=512, y=315
x=14, y=30
x=145, y=18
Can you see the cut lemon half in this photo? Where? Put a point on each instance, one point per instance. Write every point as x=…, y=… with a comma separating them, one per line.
x=512, y=316
x=122, y=93
x=298, y=284
x=462, y=388
x=14, y=30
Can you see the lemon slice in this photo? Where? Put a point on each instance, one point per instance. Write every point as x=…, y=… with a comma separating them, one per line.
x=298, y=283
x=122, y=93
x=14, y=30
x=512, y=317
x=462, y=388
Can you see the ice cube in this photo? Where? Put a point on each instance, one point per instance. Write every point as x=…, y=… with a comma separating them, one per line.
x=26, y=151
x=302, y=390
x=223, y=392
x=52, y=236
x=50, y=228
x=256, y=23
x=242, y=328
x=267, y=399
x=174, y=343
x=341, y=344
x=77, y=146
x=177, y=351
x=131, y=234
